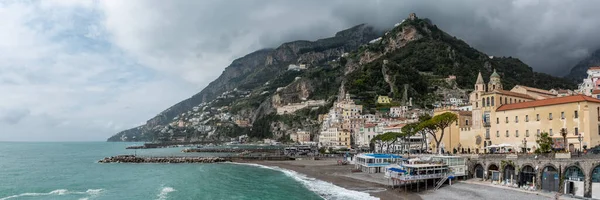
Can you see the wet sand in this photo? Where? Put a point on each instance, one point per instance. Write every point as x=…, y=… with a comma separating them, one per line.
x=342, y=175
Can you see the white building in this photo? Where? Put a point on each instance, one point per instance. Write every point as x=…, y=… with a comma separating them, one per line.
x=591, y=84
x=328, y=137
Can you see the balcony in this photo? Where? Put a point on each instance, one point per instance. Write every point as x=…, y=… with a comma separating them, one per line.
x=487, y=124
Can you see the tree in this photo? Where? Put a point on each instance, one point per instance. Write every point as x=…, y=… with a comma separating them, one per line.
x=545, y=142
x=563, y=133
x=439, y=122
x=390, y=139
x=378, y=140
x=408, y=131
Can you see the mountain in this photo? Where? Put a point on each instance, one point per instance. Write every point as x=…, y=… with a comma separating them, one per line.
x=254, y=70
x=274, y=92
x=578, y=72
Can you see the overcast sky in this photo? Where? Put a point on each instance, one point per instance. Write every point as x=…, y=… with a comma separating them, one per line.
x=76, y=70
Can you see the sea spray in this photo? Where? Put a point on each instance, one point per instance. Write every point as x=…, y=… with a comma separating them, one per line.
x=324, y=189
x=164, y=192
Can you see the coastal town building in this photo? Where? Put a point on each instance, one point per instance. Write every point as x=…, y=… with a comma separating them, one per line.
x=343, y=138
x=513, y=119
x=300, y=136
x=384, y=100
x=366, y=133
x=590, y=86
x=329, y=137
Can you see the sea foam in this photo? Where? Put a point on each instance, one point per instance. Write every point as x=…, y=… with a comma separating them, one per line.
x=59, y=192
x=164, y=192
x=324, y=189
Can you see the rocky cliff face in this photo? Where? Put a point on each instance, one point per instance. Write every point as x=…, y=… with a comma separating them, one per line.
x=253, y=71
x=578, y=72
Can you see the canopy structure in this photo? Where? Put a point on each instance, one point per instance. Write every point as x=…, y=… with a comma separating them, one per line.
x=397, y=170
x=505, y=145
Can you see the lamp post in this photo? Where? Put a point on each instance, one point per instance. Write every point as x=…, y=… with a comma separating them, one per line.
x=580, y=139
x=524, y=145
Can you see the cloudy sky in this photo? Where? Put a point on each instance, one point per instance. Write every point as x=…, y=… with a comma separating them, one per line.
x=77, y=70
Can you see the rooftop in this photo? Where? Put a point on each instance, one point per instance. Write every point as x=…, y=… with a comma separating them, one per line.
x=513, y=94
x=380, y=155
x=594, y=68
x=536, y=90
x=548, y=102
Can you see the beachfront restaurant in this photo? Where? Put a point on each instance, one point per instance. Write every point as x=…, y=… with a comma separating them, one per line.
x=375, y=162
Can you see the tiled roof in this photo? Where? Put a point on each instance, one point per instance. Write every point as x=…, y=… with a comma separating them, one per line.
x=547, y=102
x=536, y=90
x=396, y=126
x=465, y=113
x=370, y=125
x=594, y=68
x=514, y=94
x=595, y=91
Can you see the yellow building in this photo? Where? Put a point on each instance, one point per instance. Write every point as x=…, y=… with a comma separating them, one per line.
x=579, y=115
x=383, y=99
x=458, y=133
x=344, y=138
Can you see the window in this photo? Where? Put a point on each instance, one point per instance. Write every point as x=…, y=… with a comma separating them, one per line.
x=576, y=131
x=507, y=133
x=482, y=102
x=487, y=133
x=510, y=100
x=505, y=101
x=576, y=115
x=466, y=122
x=549, y=116
x=537, y=117
x=497, y=120
x=507, y=120
x=493, y=101
x=487, y=102
x=526, y=118
x=516, y=119
x=517, y=133
x=500, y=100
x=526, y=133
x=551, y=133
x=538, y=133
x=476, y=104
x=498, y=133
x=562, y=115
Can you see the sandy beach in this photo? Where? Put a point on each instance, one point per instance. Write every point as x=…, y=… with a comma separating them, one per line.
x=375, y=184
x=341, y=175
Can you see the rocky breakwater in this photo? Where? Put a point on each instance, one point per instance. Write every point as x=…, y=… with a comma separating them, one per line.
x=229, y=150
x=135, y=159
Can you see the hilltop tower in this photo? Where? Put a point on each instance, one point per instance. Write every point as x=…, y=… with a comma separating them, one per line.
x=494, y=83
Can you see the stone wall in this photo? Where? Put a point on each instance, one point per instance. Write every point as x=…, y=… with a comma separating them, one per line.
x=586, y=163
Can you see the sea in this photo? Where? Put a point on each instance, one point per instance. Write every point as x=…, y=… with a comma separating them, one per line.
x=69, y=170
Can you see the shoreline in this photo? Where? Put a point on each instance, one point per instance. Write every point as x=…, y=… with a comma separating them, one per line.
x=339, y=175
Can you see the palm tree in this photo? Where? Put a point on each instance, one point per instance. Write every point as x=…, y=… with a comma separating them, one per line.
x=564, y=133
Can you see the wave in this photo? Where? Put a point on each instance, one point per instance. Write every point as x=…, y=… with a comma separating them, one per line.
x=59, y=192
x=324, y=189
x=164, y=192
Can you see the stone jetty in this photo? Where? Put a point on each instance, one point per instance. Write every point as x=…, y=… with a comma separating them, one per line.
x=230, y=150
x=135, y=159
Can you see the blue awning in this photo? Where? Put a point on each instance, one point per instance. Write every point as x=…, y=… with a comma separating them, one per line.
x=397, y=170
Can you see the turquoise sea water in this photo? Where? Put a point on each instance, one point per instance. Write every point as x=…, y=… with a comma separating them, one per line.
x=69, y=171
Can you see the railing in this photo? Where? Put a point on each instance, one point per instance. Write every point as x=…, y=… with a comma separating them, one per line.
x=441, y=182
x=416, y=177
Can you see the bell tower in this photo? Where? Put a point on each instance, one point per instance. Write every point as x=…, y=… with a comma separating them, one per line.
x=495, y=83
x=479, y=84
